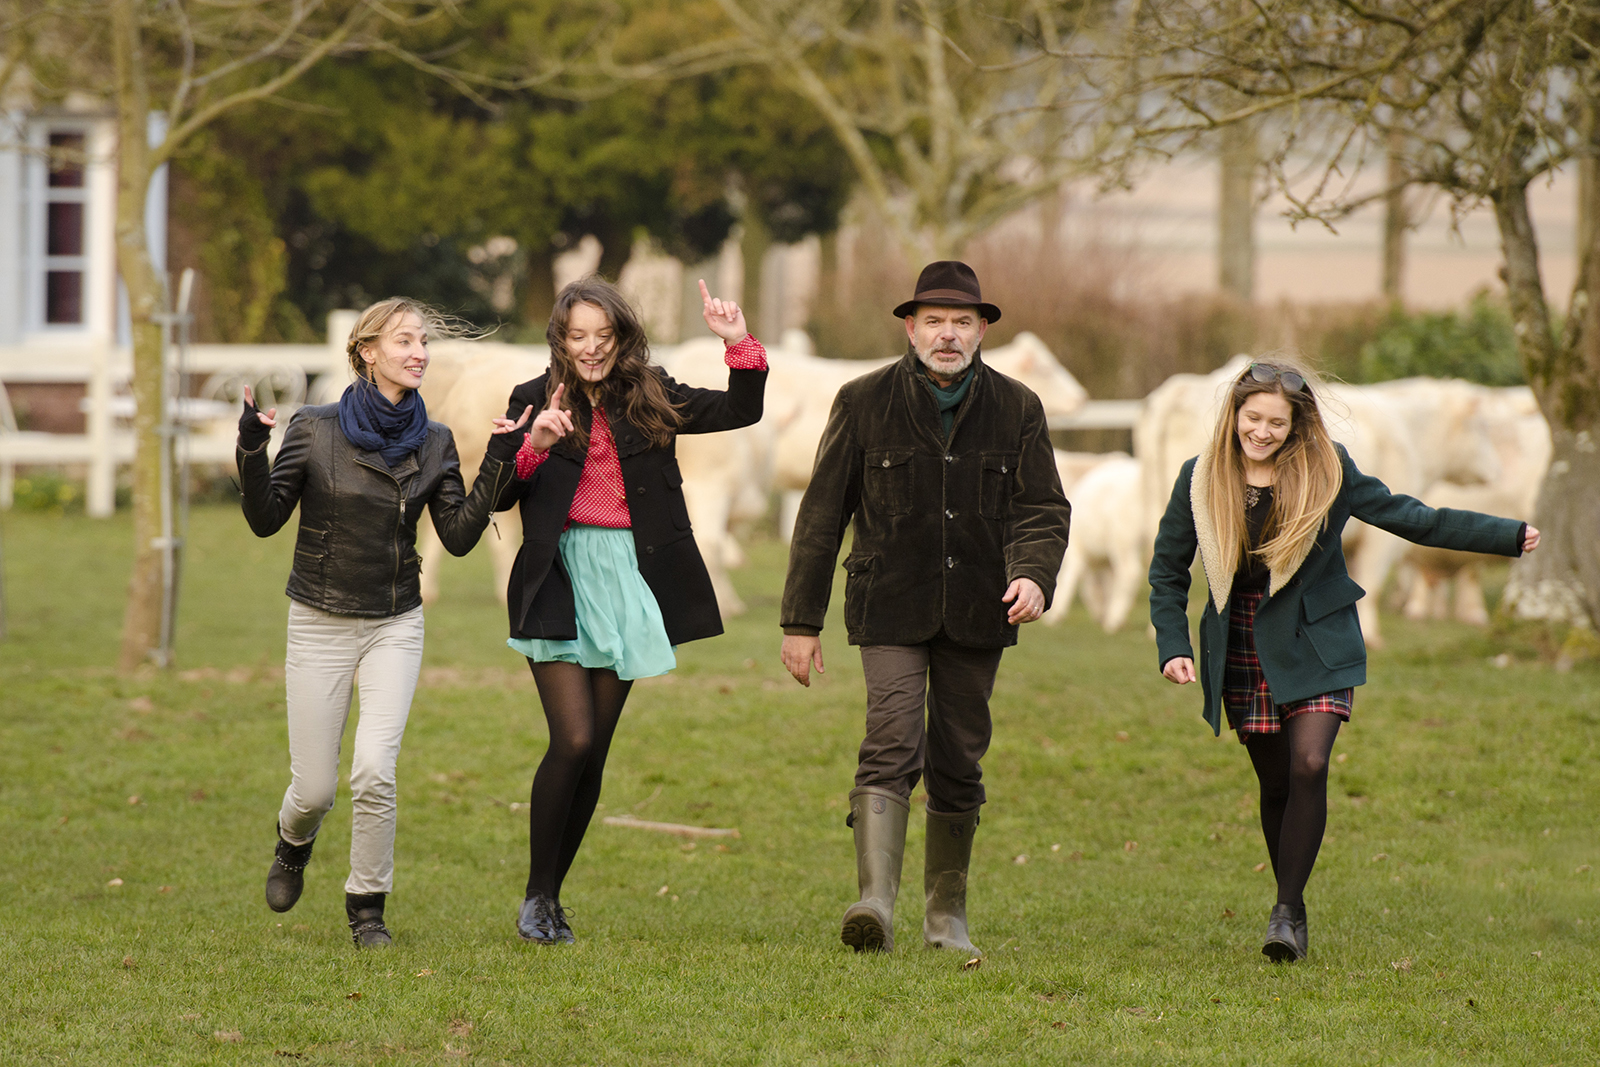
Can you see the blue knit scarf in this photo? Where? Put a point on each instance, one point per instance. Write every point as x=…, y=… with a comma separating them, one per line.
x=370, y=422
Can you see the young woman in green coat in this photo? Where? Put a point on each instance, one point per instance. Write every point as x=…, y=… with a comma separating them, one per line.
x=1281, y=650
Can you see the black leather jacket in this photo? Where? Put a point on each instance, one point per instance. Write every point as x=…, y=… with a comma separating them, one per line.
x=356, y=550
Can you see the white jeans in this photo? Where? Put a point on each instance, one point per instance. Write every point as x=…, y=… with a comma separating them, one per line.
x=325, y=652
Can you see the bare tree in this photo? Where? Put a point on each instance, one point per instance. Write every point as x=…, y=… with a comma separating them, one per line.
x=193, y=61
x=1487, y=97
x=953, y=113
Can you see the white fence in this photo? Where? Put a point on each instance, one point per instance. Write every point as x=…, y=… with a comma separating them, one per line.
x=280, y=375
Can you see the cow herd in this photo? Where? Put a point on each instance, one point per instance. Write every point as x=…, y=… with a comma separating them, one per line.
x=1451, y=443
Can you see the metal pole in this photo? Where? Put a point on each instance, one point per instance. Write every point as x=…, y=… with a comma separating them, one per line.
x=174, y=516
x=2, y=580
x=184, y=321
x=162, y=654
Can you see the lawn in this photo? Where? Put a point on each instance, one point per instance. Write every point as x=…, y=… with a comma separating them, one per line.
x=1116, y=883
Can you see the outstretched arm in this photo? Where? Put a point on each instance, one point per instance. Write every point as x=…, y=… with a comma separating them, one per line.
x=1407, y=517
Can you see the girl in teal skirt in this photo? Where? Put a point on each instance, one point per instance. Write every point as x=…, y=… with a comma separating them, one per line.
x=608, y=580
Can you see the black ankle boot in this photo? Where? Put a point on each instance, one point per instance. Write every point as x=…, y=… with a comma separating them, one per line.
x=286, y=878
x=365, y=911
x=1283, y=943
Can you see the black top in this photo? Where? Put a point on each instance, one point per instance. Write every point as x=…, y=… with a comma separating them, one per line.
x=1253, y=573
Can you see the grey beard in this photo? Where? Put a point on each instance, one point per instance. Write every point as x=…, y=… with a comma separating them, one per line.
x=966, y=361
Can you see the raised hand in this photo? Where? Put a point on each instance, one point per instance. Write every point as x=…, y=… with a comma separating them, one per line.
x=551, y=424
x=723, y=316
x=255, y=425
x=506, y=437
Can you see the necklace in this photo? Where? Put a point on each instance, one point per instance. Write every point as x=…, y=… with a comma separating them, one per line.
x=1252, y=495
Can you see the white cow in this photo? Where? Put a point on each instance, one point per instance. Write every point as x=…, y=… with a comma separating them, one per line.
x=482, y=384
x=1410, y=434
x=1521, y=438
x=1105, y=552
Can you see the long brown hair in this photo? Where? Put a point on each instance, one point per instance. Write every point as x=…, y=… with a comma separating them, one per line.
x=1306, y=479
x=632, y=386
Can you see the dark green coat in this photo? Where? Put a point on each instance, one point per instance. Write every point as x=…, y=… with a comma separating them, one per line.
x=1307, y=635
x=941, y=528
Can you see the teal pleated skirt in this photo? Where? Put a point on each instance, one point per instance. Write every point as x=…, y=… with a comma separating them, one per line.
x=619, y=622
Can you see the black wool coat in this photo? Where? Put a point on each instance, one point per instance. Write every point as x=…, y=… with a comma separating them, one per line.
x=539, y=596
x=941, y=527
x=1307, y=634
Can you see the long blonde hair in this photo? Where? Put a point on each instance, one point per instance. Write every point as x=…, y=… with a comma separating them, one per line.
x=371, y=324
x=1307, y=472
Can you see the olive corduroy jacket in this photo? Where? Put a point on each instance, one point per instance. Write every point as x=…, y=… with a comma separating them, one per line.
x=941, y=527
x=1307, y=635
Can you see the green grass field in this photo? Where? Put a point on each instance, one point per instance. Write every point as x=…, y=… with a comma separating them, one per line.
x=1453, y=912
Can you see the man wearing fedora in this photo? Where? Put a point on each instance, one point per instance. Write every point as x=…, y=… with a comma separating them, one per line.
x=943, y=468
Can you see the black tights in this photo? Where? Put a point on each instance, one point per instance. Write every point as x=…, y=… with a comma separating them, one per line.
x=582, y=707
x=1293, y=768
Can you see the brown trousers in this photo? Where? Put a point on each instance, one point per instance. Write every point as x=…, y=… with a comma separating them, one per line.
x=953, y=682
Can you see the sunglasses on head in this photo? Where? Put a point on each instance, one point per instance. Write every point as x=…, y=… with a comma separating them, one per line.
x=1266, y=374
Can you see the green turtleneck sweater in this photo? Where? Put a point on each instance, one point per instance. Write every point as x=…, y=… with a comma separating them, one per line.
x=948, y=398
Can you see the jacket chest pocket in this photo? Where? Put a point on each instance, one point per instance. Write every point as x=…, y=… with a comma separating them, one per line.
x=886, y=483
x=998, y=485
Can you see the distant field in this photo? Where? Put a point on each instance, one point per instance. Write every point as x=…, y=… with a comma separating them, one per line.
x=1453, y=913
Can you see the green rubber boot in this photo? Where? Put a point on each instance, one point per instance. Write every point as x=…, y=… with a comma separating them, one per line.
x=944, y=924
x=879, y=820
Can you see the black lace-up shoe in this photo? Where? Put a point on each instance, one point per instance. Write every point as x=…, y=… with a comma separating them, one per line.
x=286, y=877
x=559, y=915
x=365, y=912
x=538, y=921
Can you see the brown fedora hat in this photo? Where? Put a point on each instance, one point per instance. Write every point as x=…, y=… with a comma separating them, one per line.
x=951, y=283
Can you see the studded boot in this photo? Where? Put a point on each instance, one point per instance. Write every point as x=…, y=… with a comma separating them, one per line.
x=365, y=912
x=878, y=817
x=286, y=878
x=944, y=877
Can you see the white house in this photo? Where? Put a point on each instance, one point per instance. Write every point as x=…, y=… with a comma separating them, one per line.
x=58, y=267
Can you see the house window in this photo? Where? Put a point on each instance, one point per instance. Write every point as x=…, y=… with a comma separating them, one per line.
x=65, y=207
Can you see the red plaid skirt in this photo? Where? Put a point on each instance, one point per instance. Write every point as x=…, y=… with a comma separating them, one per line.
x=1244, y=689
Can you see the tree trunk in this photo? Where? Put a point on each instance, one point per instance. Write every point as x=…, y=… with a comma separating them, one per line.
x=1561, y=581
x=1396, y=221
x=141, y=627
x=1236, y=212
x=539, y=296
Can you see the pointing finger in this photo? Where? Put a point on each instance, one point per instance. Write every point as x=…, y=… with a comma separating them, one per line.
x=705, y=294
x=555, y=398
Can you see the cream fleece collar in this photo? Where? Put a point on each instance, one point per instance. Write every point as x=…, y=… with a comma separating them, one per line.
x=1205, y=530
